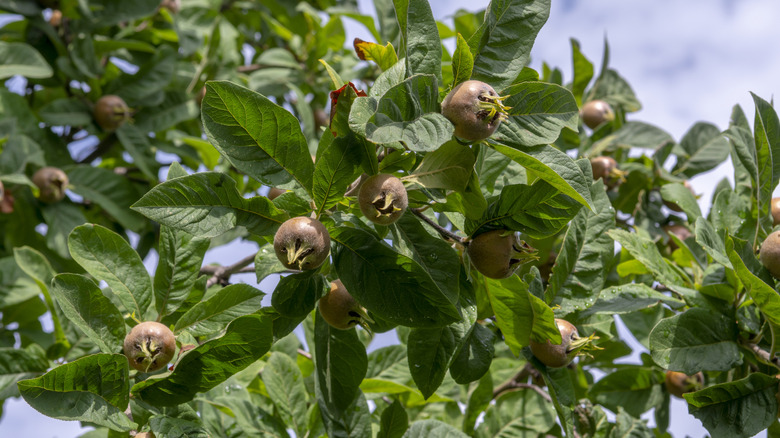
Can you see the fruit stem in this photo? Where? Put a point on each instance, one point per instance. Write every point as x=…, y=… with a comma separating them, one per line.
x=445, y=233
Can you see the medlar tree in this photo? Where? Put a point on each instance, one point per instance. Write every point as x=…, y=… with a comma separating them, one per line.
x=487, y=230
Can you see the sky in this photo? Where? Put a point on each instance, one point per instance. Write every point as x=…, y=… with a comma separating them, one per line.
x=687, y=61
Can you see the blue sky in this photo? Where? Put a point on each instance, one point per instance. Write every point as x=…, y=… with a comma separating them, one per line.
x=687, y=61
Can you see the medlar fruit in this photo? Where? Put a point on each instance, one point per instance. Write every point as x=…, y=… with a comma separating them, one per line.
x=596, y=112
x=111, y=112
x=677, y=383
x=775, y=211
x=52, y=183
x=606, y=169
x=475, y=109
x=302, y=243
x=274, y=192
x=498, y=253
x=339, y=309
x=149, y=346
x=560, y=355
x=770, y=254
x=382, y=199
x=144, y=435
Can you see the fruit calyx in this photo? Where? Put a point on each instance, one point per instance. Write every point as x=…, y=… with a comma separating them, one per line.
x=302, y=243
x=383, y=199
x=52, y=183
x=149, y=346
x=340, y=309
x=475, y=109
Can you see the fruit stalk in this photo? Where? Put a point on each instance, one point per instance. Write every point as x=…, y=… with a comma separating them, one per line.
x=445, y=233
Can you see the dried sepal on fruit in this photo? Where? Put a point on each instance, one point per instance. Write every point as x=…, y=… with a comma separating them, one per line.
x=339, y=309
x=499, y=253
x=149, y=346
x=596, y=112
x=51, y=183
x=475, y=109
x=302, y=243
x=382, y=198
x=560, y=355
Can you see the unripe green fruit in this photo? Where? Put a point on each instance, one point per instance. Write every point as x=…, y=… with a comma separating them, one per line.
x=498, y=253
x=475, y=109
x=596, y=112
x=770, y=254
x=339, y=309
x=677, y=383
x=52, y=183
x=302, y=243
x=149, y=346
x=383, y=199
x=111, y=112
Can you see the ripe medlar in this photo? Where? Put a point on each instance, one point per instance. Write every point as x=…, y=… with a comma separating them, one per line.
x=382, y=199
x=681, y=231
x=475, y=109
x=302, y=243
x=52, y=183
x=274, y=193
x=111, y=112
x=144, y=435
x=677, y=383
x=498, y=253
x=149, y=346
x=606, y=169
x=339, y=309
x=775, y=211
x=560, y=355
x=770, y=254
x=596, y=112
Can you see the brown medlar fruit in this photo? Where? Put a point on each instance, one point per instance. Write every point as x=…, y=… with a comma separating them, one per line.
x=274, y=193
x=775, y=211
x=560, y=355
x=382, y=198
x=596, y=112
x=498, y=253
x=111, y=112
x=770, y=254
x=606, y=169
x=149, y=346
x=475, y=109
x=339, y=309
x=677, y=383
x=302, y=243
x=52, y=183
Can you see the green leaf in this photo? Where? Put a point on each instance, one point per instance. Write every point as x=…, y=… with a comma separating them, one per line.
x=462, y=61
x=93, y=389
x=296, y=295
x=108, y=257
x=61, y=218
x=475, y=355
x=257, y=136
x=337, y=167
x=448, y=167
x=22, y=59
x=391, y=285
x=615, y=90
x=340, y=364
x=245, y=341
x=636, y=389
x=766, y=132
x=586, y=250
x=384, y=56
x=105, y=13
x=113, y=193
x=164, y=426
x=21, y=7
x=207, y=205
x=145, y=87
x=432, y=429
x=681, y=196
x=407, y=112
x=539, y=210
x=701, y=149
x=539, y=111
x=180, y=258
x=553, y=166
x=284, y=382
x=583, y=71
x=764, y=295
x=520, y=413
x=502, y=45
x=431, y=352
x=420, y=36
x=69, y=111
x=394, y=421
x=136, y=143
x=228, y=304
x=707, y=237
x=696, y=340
x=176, y=107
x=644, y=250
x=479, y=399
x=632, y=135
x=629, y=298
x=18, y=364
x=84, y=304
x=738, y=409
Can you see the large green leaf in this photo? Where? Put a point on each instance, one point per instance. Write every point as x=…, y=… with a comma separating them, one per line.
x=636, y=389
x=523, y=414
x=644, y=250
x=246, y=340
x=737, y=409
x=18, y=364
x=113, y=193
x=696, y=340
x=579, y=271
x=138, y=146
x=145, y=87
x=338, y=166
x=284, y=382
x=207, y=205
x=392, y=285
x=764, y=295
x=108, y=257
x=420, y=36
x=22, y=59
x=108, y=12
x=615, y=90
x=701, y=149
x=475, y=355
x=682, y=197
x=539, y=111
x=93, y=389
x=553, y=166
x=632, y=135
x=296, y=295
x=84, y=304
x=583, y=71
x=394, y=421
x=629, y=298
x=448, y=167
x=257, y=136
x=432, y=429
x=707, y=237
x=181, y=256
x=462, y=61
x=502, y=44
x=212, y=315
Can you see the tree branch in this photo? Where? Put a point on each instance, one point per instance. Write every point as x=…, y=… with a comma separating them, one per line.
x=221, y=274
x=518, y=382
x=445, y=233
x=763, y=354
x=305, y=354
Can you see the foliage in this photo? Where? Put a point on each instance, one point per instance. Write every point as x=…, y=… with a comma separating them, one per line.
x=230, y=99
